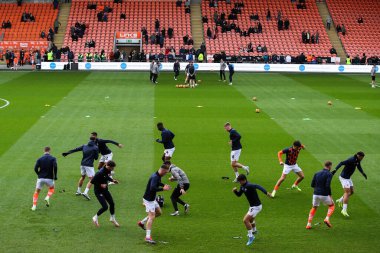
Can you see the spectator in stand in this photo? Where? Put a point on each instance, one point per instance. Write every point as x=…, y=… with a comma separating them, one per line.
x=249, y=47
x=203, y=47
x=146, y=38
x=55, y=4
x=100, y=16
x=42, y=35
x=186, y=39
x=338, y=28
x=170, y=32
x=163, y=32
x=265, y=49
x=259, y=49
x=190, y=41
x=162, y=40
x=279, y=15
x=57, y=24
x=280, y=24
x=269, y=15
x=286, y=24
x=333, y=51
x=58, y=55
x=282, y=58
x=22, y=56
x=360, y=20
x=144, y=31
x=308, y=38
x=178, y=3
x=209, y=33
x=157, y=25
x=204, y=20
x=343, y=30
x=32, y=18
x=123, y=16
x=19, y=2
x=328, y=22
x=363, y=60
x=288, y=59
x=152, y=39
x=259, y=28
x=116, y=55
x=187, y=3
x=105, y=17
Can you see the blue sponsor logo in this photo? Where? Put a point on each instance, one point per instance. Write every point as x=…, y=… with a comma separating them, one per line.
x=302, y=68
x=377, y=69
x=88, y=65
x=266, y=67
x=196, y=66
x=341, y=68
x=53, y=65
x=160, y=67
x=123, y=65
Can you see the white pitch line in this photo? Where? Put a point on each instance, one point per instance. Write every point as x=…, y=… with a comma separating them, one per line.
x=6, y=103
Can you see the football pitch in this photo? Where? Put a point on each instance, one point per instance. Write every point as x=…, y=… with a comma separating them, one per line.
x=62, y=109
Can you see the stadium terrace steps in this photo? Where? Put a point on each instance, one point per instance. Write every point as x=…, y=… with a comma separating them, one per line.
x=333, y=36
x=196, y=25
x=63, y=17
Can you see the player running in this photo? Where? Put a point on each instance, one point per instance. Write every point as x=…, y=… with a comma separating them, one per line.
x=373, y=76
x=255, y=207
x=322, y=194
x=290, y=165
x=236, y=150
x=46, y=170
x=167, y=140
x=181, y=189
x=90, y=153
x=100, y=182
x=151, y=206
x=345, y=178
x=106, y=153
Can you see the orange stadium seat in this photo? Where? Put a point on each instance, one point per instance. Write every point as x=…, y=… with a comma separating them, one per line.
x=360, y=38
x=278, y=42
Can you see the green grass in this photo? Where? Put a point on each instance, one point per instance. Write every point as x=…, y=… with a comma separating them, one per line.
x=125, y=107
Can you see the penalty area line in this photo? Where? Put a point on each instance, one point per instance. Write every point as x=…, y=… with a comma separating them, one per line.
x=6, y=103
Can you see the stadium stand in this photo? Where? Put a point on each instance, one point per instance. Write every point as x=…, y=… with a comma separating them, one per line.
x=359, y=37
x=287, y=42
x=138, y=14
x=27, y=31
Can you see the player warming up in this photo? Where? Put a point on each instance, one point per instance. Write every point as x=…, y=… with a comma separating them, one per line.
x=373, y=76
x=290, y=165
x=255, y=206
x=322, y=194
x=345, y=178
x=100, y=182
x=149, y=199
x=46, y=170
x=90, y=153
x=106, y=153
x=167, y=140
x=236, y=150
x=179, y=176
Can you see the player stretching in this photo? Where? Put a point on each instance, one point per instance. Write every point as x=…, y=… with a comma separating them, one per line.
x=191, y=75
x=236, y=150
x=90, y=153
x=106, y=153
x=322, y=193
x=373, y=76
x=255, y=206
x=167, y=140
x=181, y=189
x=46, y=170
x=100, y=182
x=151, y=206
x=345, y=178
x=176, y=69
x=290, y=165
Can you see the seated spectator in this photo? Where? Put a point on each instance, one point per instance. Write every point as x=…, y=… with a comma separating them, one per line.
x=187, y=3
x=170, y=32
x=6, y=25
x=144, y=31
x=333, y=51
x=360, y=20
x=117, y=1
x=163, y=32
x=264, y=49
x=187, y=10
x=19, y=2
x=280, y=24
x=185, y=39
x=157, y=25
x=209, y=33
x=317, y=37
x=259, y=28
x=269, y=17
x=152, y=38
x=100, y=16
x=74, y=37
x=249, y=47
x=286, y=24
x=204, y=20
x=288, y=59
x=123, y=16
x=363, y=60
x=91, y=6
x=190, y=41
x=105, y=17
x=282, y=58
x=42, y=35
x=259, y=49
x=178, y=3
x=343, y=30
x=107, y=9
x=338, y=28
x=31, y=18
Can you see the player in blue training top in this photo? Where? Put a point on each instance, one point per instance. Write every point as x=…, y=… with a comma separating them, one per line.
x=167, y=140
x=231, y=71
x=345, y=178
x=236, y=150
x=322, y=194
x=255, y=206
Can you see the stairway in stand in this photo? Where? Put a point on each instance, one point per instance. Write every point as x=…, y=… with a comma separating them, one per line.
x=196, y=25
x=63, y=16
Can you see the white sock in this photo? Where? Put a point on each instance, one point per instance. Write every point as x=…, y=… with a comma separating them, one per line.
x=79, y=189
x=143, y=221
x=112, y=216
x=345, y=207
x=341, y=199
x=148, y=234
x=250, y=233
x=236, y=174
x=96, y=217
x=86, y=190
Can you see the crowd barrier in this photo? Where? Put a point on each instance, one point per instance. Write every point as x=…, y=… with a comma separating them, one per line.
x=239, y=67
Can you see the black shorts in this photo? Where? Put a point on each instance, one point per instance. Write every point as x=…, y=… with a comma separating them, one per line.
x=373, y=78
x=192, y=77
